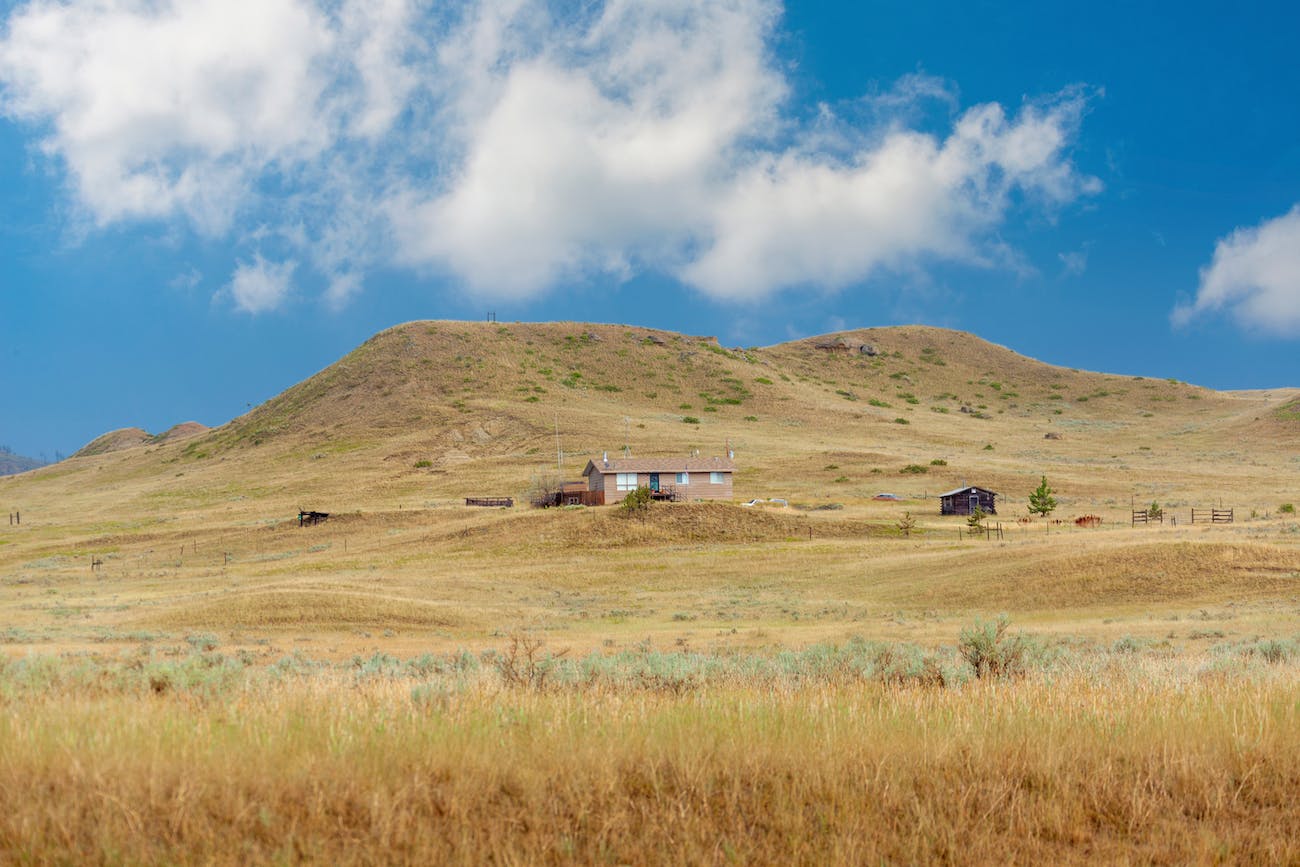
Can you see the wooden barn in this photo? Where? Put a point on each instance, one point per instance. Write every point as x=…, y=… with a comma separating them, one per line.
x=964, y=501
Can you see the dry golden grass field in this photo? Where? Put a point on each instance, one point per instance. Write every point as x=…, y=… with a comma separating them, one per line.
x=187, y=675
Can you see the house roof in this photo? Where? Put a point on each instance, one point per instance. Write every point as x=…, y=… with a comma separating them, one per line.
x=660, y=465
x=968, y=488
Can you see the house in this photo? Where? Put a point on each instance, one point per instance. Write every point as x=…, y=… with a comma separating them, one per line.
x=680, y=479
x=964, y=501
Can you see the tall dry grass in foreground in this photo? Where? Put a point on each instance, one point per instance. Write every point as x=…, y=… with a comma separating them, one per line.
x=1117, y=756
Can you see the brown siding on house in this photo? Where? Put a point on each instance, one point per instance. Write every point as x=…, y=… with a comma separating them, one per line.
x=602, y=476
x=700, y=488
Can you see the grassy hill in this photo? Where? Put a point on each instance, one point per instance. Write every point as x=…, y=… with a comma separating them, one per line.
x=195, y=527
x=482, y=404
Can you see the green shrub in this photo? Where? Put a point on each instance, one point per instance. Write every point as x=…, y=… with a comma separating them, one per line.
x=1287, y=508
x=901, y=421
x=992, y=653
x=909, y=665
x=938, y=462
x=423, y=464
x=690, y=419
x=1273, y=650
x=205, y=641
x=914, y=469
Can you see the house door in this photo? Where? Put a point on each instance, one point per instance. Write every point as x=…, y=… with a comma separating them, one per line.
x=654, y=482
x=974, y=503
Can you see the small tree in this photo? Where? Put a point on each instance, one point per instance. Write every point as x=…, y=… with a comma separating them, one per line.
x=975, y=521
x=906, y=524
x=1154, y=510
x=637, y=502
x=1041, y=501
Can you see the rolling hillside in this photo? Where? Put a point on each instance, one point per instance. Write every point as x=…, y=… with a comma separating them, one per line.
x=480, y=407
x=194, y=529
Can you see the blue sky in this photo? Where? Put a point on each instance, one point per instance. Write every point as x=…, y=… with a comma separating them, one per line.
x=204, y=202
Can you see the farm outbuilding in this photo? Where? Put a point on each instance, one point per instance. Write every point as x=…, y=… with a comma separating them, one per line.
x=680, y=479
x=573, y=494
x=964, y=501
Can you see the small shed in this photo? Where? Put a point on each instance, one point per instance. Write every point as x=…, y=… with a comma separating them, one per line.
x=964, y=501
x=574, y=494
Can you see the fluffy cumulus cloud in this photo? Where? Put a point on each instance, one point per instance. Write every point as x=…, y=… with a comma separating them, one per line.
x=166, y=108
x=512, y=145
x=260, y=286
x=1255, y=277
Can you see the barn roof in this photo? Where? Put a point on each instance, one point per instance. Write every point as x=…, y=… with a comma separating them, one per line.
x=660, y=465
x=967, y=488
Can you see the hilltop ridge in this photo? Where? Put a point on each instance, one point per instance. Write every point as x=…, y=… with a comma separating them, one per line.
x=439, y=409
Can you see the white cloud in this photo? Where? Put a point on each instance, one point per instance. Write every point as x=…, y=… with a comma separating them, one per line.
x=1074, y=262
x=188, y=280
x=513, y=147
x=160, y=108
x=597, y=150
x=797, y=218
x=1255, y=276
x=342, y=289
x=261, y=286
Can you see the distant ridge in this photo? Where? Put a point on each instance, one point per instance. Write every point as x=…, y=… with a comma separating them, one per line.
x=113, y=441
x=130, y=437
x=11, y=464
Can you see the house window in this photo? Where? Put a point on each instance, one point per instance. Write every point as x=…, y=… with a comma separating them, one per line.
x=683, y=478
x=625, y=481
x=715, y=478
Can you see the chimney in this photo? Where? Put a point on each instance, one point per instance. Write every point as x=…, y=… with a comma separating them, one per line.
x=604, y=456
